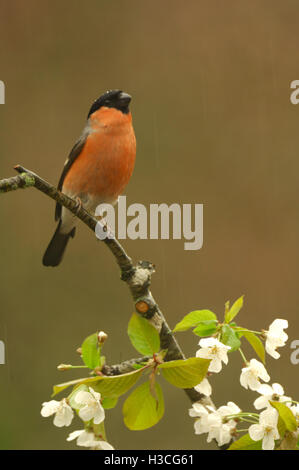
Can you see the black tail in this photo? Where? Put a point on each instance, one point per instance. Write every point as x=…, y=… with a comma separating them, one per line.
x=57, y=246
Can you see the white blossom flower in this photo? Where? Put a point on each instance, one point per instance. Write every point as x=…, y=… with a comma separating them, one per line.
x=213, y=349
x=213, y=421
x=269, y=393
x=199, y=411
x=230, y=409
x=62, y=410
x=224, y=411
x=201, y=425
x=276, y=337
x=102, y=445
x=93, y=408
x=88, y=439
x=266, y=429
x=219, y=430
x=251, y=374
x=204, y=387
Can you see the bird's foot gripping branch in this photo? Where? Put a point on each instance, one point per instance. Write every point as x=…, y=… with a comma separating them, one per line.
x=275, y=427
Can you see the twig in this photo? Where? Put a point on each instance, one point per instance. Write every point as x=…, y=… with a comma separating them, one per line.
x=137, y=277
x=124, y=367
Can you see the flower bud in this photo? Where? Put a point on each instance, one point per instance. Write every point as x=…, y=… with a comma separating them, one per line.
x=63, y=367
x=102, y=336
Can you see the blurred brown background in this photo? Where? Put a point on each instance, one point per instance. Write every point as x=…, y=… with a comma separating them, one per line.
x=214, y=125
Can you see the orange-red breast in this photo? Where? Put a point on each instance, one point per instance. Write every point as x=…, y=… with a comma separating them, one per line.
x=98, y=167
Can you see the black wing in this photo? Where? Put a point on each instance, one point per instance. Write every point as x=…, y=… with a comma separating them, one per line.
x=75, y=152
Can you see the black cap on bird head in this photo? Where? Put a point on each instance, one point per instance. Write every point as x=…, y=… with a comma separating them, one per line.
x=112, y=99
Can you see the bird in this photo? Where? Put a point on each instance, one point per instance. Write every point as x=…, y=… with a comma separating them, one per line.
x=98, y=168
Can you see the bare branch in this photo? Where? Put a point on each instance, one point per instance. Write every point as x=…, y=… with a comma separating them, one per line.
x=137, y=277
x=125, y=366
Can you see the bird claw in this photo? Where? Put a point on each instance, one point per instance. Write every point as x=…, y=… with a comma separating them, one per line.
x=79, y=204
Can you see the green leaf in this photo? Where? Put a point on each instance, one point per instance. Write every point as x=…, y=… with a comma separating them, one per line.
x=286, y=415
x=138, y=366
x=194, y=318
x=144, y=337
x=230, y=338
x=246, y=443
x=226, y=307
x=111, y=387
x=60, y=387
x=256, y=343
x=109, y=403
x=91, y=351
x=281, y=427
x=234, y=310
x=141, y=410
x=185, y=373
x=117, y=385
x=206, y=328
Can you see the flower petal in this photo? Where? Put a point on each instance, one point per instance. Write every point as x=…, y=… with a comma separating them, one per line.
x=204, y=387
x=49, y=408
x=268, y=441
x=256, y=432
x=73, y=435
x=86, y=413
x=99, y=415
x=83, y=397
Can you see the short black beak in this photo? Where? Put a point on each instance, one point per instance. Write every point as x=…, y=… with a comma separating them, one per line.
x=124, y=98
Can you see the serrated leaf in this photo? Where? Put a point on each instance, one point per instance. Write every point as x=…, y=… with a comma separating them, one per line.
x=144, y=337
x=256, y=344
x=246, y=443
x=230, y=338
x=286, y=415
x=112, y=386
x=91, y=351
x=194, y=318
x=206, y=328
x=141, y=410
x=234, y=310
x=185, y=373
